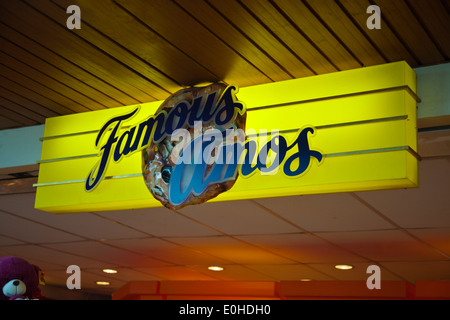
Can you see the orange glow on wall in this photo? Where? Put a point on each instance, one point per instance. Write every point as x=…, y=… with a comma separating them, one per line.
x=284, y=290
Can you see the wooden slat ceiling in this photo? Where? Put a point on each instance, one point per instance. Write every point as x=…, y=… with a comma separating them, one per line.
x=135, y=51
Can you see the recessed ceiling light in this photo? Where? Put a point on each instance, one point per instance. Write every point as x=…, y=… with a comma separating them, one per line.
x=343, y=267
x=109, y=271
x=305, y=280
x=102, y=283
x=215, y=268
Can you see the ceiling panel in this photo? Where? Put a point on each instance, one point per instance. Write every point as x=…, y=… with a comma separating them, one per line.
x=384, y=245
x=332, y=212
x=232, y=250
x=166, y=250
x=85, y=225
x=7, y=241
x=106, y=253
x=159, y=222
x=50, y=259
x=238, y=217
x=303, y=248
x=426, y=206
x=18, y=228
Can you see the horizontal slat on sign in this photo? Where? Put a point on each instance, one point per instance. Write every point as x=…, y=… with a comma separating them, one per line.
x=394, y=75
x=117, y=194
x=336, y=173
x=390, y=106
x=90, y=121
x=374, y=171
x=390, y=75
x=69, y=146
x=79, y=168
x=333, y=111
x=340, y=139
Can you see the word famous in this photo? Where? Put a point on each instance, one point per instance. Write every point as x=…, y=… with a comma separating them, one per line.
x=227, y=150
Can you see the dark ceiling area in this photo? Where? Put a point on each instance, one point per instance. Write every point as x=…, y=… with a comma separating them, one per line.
x=130, y=51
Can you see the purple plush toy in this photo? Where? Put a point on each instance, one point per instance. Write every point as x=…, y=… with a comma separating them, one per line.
x=19, y=280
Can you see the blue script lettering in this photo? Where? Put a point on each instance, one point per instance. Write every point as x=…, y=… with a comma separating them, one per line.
x=222, y=110
x=99, y=170
x=189, y=178
x=193, y=178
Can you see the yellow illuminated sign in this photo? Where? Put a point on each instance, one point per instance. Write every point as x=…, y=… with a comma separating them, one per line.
x=361, y=122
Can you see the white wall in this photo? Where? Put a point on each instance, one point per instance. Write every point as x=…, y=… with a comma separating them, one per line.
x=20, y=147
